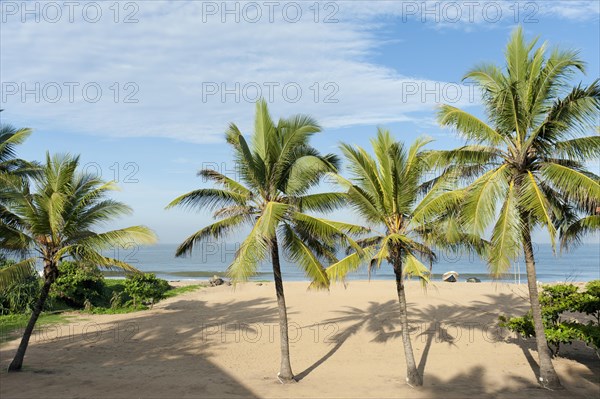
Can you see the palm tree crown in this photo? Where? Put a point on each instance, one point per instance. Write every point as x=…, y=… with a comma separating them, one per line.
x=533, y=150
x=277, y=171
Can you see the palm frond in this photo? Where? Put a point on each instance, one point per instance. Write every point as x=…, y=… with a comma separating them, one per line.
x=506, y=235
x=16, y=272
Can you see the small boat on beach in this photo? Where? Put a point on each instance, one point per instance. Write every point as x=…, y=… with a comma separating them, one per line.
x=450, y=277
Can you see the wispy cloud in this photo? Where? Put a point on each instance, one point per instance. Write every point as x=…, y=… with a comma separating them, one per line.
x=183, y=73
x=184, y=70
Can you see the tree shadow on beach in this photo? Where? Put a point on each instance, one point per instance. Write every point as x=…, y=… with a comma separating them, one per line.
x=446, y=323
x=160, y=353
x=376, y=318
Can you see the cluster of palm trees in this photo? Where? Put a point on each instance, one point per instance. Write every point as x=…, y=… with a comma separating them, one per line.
x=523, y=168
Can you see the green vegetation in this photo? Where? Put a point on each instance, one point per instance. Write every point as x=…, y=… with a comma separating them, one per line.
x=145, y=287
x=182, y=290
x=77, y=284
x=13, y=324
x=558, y=300
x=20, y=295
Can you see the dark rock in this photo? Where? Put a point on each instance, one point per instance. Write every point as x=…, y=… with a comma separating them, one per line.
x=473, y=280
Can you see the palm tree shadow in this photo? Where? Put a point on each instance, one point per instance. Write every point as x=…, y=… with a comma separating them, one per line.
x=378, y=318
x=154, y=348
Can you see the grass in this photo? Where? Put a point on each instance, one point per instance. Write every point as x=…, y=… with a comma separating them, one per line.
x=12, y=325
x=182, y=290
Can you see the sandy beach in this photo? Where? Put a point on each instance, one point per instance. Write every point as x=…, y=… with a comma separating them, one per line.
x=221, y=342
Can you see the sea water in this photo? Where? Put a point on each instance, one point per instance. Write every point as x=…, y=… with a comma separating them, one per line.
x=580, y=264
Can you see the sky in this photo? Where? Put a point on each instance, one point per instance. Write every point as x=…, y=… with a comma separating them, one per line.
x=144, y=90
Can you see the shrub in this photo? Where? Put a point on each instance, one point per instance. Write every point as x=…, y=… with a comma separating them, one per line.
x=556, y=300
x=145, y=287
x=20, y=296
x=78, y=284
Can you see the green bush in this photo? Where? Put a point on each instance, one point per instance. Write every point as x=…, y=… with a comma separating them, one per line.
x=78, y=284
x=145, y=287
x=20, y=296
x=556, y=300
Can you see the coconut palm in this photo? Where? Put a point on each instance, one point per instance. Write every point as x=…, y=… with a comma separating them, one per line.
x=56, y=221
x=532, y=153
x=14, y=174
x=277, y=170
x=394, y=194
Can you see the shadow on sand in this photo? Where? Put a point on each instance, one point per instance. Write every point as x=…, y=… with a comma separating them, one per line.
x=448, y=324
x=154, y=355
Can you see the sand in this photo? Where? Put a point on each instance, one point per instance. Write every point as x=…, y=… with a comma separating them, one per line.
x=221, y=342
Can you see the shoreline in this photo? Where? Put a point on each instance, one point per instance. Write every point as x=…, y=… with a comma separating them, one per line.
x=194, y=281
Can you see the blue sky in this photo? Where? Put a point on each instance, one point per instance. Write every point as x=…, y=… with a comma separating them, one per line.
x=358, y=65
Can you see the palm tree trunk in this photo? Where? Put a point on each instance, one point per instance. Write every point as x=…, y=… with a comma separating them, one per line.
x=413, y=377
x=548, y=377
x=17, y=362
x=285, y=374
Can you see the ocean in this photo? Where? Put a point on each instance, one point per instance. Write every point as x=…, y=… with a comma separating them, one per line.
x=580, y=264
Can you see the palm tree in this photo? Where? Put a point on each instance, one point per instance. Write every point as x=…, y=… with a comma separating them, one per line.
x=56, y=221
x=392, y=192
x=532, y=156
x=277, y=170
x=14, y=174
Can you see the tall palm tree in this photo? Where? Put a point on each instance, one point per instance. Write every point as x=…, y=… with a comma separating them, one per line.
x=57, y=220
x=414, y=213
x=532, y=154
x=277, y=171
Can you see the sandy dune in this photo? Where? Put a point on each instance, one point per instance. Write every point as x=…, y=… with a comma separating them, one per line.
x=217, y=342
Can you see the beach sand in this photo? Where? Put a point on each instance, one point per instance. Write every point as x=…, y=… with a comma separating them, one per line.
x=221, y=342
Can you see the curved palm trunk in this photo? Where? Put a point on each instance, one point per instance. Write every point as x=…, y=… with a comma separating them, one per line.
x=548, y=377
x=285, y=374
x=413, y=377
x=17, y=362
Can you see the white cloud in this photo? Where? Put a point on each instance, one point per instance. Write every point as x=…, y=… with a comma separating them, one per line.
x=177, y=52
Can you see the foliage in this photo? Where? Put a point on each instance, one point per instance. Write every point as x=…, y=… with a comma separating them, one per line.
x=77, y=283
x=14, y=173
x=277, y=170
x=145, y=287
x=556, y=300
x=395, y=192
x=19, y=296
x=57, y=219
